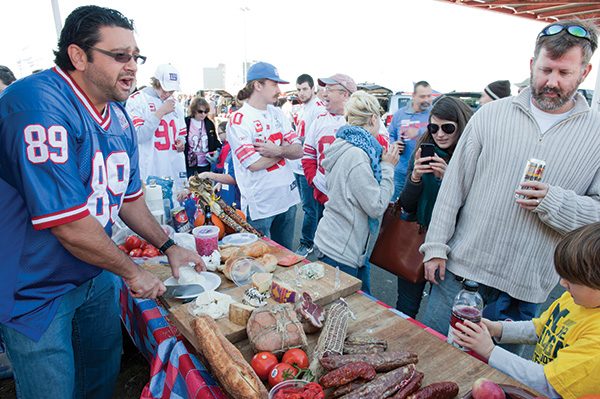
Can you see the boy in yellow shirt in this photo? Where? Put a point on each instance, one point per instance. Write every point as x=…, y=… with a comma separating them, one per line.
x=566, y=361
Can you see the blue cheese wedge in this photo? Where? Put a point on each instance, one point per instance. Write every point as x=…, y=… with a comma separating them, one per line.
x=312, y=271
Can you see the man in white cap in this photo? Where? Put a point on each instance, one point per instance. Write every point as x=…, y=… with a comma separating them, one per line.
x=160, y=125
x=262, y=141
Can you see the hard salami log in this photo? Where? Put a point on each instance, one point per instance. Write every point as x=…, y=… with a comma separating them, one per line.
x=356, y=344
x=384, y=385
x=345, y=389
x=347, y=373
x=411, y=387
x=384, y=361
x=438, y=390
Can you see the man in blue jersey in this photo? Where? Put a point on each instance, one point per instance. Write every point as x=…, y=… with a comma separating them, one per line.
x=68, y=168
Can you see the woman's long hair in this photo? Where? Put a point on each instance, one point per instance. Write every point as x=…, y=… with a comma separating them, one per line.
x=449, y=109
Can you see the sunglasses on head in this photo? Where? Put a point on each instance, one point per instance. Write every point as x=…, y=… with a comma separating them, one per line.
x=573, y=30
x=201, y=111
x=447, y=128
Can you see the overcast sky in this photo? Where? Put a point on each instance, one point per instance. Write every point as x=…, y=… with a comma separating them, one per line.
x=392, y=43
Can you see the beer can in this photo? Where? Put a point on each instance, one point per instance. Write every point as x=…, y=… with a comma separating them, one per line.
x=181, y=224
x=534, y=169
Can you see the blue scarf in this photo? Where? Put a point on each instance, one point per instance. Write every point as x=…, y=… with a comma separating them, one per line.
x=359, y=137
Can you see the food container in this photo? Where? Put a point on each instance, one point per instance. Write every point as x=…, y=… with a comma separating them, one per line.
x=286, y=384
x=243, y=269
x=207, y=239
x=170, y=231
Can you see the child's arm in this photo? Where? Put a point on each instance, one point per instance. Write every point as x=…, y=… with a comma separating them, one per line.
x=218, y=177
x=516, y=332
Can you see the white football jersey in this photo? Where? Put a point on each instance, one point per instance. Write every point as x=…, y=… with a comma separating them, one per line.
x=270, y=191
x=319, y=136
x=156, y=137
x=305, y=116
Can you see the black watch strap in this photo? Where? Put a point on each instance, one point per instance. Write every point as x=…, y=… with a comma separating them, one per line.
x=166, y=245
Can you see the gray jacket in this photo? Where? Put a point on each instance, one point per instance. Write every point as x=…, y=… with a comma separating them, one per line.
x=354, y=196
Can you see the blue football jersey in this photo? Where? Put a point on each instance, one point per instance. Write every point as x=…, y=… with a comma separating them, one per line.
x=60, y=160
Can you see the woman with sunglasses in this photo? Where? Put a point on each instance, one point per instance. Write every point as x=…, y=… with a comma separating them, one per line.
x=447, y=120
x=201, y=137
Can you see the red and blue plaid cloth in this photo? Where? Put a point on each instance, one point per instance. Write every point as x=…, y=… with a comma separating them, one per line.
x=174, y=371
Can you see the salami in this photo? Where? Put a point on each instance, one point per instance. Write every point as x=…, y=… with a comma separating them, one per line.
x=348, y=373
x=438, y=390
x=345, y=389
x=384, y=361
x=384, y=385
x=411, y=387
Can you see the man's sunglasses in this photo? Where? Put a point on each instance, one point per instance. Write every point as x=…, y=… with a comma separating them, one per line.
x=122, y=57
x=202, y=111
x=447, y=128
x=573, y=30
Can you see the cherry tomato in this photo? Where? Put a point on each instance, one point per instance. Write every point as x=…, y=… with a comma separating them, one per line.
x=124, y=249
x=144, y=245
x=133, y=242
x=135, y=253
x=262, y=363
x=282, y=371
x=296, y=357
x=150, y=252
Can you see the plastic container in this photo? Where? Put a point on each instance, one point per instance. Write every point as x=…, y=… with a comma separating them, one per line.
x=170, y=231
x=286, y=384
x=243, y=269
x=207, y=239
x=467, y=305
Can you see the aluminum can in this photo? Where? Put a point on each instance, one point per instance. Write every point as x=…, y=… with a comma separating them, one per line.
x=534, y=169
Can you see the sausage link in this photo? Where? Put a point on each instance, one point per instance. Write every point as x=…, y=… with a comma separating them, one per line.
x=384, y=361
x=347, y=373
x=438, y=390
x=345, y=389
x=411, y=387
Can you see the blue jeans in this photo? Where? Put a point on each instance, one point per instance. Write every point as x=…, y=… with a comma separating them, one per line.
x=441, y=298
x=279, y=228
x=79, y=355
x=310, y=208
x=409, y=297
x=362, y=273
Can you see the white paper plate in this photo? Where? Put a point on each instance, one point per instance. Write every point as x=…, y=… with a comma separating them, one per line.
x=239, y=239
x=213, y=281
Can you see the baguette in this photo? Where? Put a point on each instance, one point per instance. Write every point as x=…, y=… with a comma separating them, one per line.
x=227, y=363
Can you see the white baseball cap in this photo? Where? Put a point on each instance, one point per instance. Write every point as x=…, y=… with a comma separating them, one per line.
x=168, y=77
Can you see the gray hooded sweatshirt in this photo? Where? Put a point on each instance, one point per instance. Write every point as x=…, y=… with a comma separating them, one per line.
x=354, y=196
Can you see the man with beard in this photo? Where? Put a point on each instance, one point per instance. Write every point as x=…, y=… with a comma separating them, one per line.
x=408, y=124
x=490, y=227
x=262, y=143
x=68, y=168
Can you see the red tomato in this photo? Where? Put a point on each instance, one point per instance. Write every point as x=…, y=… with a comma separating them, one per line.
x=135, y=253
x=144, y=245
x=122, y=248
x=262, y=363
x=296, y=357
x=132, y=242
x=280, y=372
x=150, y=252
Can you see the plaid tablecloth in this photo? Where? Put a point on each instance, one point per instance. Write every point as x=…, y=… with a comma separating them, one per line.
x=174, y=372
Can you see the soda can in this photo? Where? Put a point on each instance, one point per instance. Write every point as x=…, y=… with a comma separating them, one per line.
x=181, y=223
x=534, y=169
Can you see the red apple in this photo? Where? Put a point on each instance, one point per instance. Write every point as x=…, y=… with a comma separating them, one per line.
x=486, y=389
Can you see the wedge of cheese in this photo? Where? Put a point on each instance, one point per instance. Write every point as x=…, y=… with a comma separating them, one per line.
x=240, y=313
x=262, y=281
x=283, y=293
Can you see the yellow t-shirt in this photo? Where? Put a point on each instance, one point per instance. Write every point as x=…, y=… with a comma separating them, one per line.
x=569, y=347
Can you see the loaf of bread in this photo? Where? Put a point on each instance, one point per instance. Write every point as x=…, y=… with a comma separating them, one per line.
x=256, y=249
x=226, y=362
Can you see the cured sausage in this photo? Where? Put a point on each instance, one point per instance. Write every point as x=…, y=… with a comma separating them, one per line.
x=438, y=390
x=411, y=387
x=384, y=385
x=345, y=389
x=384, y=361
x=347, y=373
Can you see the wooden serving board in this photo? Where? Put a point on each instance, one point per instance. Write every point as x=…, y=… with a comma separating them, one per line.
x=322, y=291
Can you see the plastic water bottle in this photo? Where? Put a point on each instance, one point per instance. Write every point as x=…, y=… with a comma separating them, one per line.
x=468, y=305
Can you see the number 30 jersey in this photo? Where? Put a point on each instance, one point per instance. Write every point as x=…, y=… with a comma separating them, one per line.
x=157, y=137
x=270, y=191
x=60, y=161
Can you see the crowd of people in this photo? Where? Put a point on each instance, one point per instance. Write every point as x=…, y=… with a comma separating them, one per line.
x=77, y=143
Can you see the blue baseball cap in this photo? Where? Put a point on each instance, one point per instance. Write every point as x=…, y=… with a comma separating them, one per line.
x=264, y=70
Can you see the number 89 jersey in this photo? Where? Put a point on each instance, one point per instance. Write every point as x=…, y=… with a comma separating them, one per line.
x=60, y=161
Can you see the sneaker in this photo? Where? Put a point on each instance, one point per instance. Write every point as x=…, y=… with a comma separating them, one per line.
x=304, y=250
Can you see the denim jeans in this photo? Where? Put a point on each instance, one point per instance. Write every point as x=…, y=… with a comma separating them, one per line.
x=79, y=355
x=409, y=297
x=439, y=307
x=310, y=208
x=362, y=273
x=280, y=228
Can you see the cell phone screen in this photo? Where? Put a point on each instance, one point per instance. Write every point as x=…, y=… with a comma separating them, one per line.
x=427, y=150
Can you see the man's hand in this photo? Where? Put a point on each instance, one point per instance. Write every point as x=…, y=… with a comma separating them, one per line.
x=269, y=150
x=180, y=144
x=535, y=192
x=145, y=284
x=167, y=107
x=179, y=256
x=475, y=337
x=431, y=266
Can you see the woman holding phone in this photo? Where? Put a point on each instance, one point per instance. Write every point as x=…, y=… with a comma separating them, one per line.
x=447, y=120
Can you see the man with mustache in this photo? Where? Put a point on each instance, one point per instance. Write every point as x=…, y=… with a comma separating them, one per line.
x=68, y=168
x=486, y=225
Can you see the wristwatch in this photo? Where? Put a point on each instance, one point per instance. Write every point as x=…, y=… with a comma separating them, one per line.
x=166, y=245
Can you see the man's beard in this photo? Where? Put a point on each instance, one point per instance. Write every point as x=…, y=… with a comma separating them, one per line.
x=551, y=103
x=424, y=105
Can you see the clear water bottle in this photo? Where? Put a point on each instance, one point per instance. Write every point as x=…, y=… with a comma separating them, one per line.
x=468, y=305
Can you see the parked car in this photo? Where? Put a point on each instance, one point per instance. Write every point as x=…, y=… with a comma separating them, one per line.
x=382, y=94
x=471, y=98
x=395, y=102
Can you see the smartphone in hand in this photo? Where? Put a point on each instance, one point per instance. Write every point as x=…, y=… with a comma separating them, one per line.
x=427, y=150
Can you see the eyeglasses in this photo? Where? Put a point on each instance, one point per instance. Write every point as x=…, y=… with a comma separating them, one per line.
x=122, y=57
x=202, y=111
x=573, y=30
x=447, y=128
